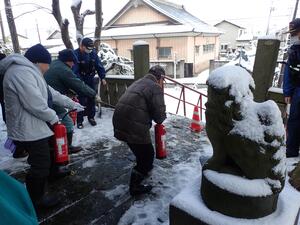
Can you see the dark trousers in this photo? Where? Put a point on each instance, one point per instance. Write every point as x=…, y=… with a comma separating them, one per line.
x=89, y=103
x=89, y=111
x=293, y=126
x=3, y=111
x=144, y=154
x=38, y=157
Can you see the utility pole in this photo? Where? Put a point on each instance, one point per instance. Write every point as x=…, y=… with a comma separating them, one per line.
x=295, y=10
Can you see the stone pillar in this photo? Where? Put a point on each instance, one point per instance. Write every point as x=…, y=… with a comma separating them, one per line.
x=140, y=59
x=264, y=67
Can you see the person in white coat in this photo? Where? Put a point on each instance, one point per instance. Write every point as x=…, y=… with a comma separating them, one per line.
x=29, y=116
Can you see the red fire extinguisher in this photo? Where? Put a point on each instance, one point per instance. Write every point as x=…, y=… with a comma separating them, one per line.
x=73, y=113
x=160, y=141
x=61, y=144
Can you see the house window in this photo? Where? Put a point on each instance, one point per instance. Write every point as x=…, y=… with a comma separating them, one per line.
x=224, y=47
x=197, y=49
x=208, y=48
x=164, y=52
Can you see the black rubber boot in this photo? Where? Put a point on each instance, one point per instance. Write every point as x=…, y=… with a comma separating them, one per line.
x=135, y=186
x=36, y=190
x=72, y=149
x=92, y=121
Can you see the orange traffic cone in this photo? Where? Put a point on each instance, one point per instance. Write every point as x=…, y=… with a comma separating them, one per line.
x=195, y=125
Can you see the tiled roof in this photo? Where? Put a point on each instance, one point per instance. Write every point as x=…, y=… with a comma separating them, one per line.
x=175, y=12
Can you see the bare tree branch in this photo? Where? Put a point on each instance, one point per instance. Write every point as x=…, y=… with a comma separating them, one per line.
x=79, y=19
x=63, y=24
x=33, y=4
x=31, y=11
x=87, y=13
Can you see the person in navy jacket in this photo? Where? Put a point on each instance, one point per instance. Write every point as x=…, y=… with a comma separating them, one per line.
x=86, y=68
x=291, y=89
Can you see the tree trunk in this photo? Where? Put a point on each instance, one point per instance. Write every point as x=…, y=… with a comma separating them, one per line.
x=79, y=20
x=99, y=21
x=62, y=23
x=12, y=26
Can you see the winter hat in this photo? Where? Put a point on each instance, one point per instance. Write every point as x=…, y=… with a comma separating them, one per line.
x=88, y=43
x=38, y=54
x=157, y=71
x=67, y=55
x=294, y=27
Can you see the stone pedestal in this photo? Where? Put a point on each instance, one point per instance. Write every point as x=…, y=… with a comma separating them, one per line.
x=188, y=208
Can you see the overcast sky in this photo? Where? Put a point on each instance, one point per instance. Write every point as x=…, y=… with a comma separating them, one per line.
x=252, y=14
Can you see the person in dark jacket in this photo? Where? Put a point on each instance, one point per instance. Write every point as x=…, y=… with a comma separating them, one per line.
x=142, y=103
x=291, y=90
x=86, y=68
x=61, y=77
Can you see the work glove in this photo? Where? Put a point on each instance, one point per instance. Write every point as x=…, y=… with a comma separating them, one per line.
x=97, y=99
x=78, y=107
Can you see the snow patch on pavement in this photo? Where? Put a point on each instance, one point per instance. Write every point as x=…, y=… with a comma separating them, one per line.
x=167, y=182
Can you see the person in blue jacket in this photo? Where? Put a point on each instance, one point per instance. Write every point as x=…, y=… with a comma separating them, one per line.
x=291, y=89
x=86, y=67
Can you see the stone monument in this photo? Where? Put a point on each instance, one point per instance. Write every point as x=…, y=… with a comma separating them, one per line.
x=247, y=168
x=241, y=182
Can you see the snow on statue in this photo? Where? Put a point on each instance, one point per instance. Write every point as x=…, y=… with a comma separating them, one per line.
x=246, y=173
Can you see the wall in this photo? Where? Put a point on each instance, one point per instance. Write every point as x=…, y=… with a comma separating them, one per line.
x=141, y=14
x=178, y=44
x=230, y=34
x=182, y=47
x=201, y=60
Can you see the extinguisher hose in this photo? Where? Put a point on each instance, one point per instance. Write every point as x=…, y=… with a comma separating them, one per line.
x=67, y=113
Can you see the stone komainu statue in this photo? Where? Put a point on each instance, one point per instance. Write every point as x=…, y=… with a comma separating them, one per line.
x=246, y=173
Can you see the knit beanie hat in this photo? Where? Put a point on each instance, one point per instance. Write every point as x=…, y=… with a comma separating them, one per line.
x=38, y=54
x=157, y=71
x=67, y=55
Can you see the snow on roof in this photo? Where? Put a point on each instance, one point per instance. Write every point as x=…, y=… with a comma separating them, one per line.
x=149, y=30
x=239, y=185
x=191, y=201
x=181, y=15
x=175, y=12
x=226, y=21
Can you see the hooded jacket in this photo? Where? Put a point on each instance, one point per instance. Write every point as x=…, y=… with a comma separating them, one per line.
x=25, y=97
